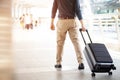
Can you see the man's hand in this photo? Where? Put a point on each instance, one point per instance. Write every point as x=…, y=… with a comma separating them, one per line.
x=83, y=29
x=82, y=24
x=52, y=27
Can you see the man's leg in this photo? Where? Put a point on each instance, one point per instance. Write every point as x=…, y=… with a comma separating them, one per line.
x=61, y=35
x=73, y=33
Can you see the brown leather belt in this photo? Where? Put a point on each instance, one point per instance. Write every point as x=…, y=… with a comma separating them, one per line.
x=66, y=17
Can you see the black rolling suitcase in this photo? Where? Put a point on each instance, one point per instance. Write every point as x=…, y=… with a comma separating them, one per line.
x=98, y=57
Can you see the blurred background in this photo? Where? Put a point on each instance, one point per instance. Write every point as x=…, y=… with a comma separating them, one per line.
x=24, y=50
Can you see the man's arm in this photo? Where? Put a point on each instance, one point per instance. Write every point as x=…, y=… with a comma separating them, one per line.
x=79, y=14
x=54, y=10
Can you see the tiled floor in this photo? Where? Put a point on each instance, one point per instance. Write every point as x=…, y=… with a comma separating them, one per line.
x=34, y=58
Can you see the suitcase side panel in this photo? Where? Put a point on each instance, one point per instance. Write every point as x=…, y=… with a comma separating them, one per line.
x=89, y=57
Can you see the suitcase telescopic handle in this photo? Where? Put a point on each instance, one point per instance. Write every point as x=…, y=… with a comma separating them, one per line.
x=83, y=36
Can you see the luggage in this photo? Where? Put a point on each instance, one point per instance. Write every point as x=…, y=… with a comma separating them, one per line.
x=98, y=57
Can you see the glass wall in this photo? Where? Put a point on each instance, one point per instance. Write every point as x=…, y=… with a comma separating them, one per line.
x=104, y=6
x=102, y=18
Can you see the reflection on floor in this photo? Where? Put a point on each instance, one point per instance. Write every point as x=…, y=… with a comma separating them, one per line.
x=34, y=57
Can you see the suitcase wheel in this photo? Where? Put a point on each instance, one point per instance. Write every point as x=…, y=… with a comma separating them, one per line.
x=114, y=68
x=93, y=74
x=110, y=73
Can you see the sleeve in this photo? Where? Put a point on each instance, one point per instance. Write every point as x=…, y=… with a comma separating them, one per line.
x=54, y=9
x=77, y=10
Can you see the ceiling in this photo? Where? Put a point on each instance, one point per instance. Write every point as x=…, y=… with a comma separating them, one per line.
x=33, y=3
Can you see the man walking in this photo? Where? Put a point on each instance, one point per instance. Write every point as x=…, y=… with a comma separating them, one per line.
x=67, y=11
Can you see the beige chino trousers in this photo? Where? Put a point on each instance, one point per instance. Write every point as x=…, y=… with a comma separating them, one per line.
x=64, y=26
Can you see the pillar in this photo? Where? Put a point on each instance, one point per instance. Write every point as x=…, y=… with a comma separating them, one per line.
x=6, y=66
